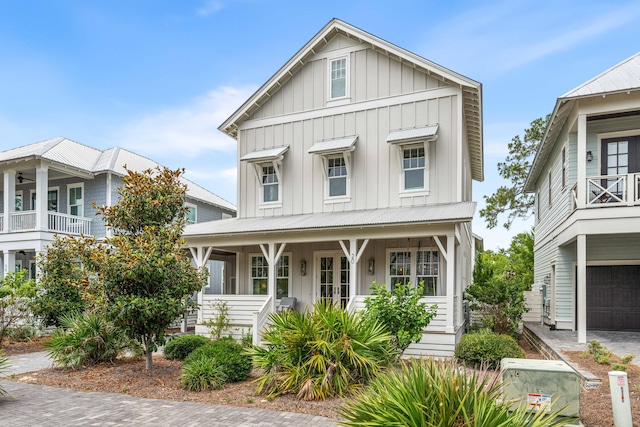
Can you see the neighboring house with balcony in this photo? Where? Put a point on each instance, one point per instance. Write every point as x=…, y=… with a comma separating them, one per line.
x=72, y=176
x=355, y=165
x=586, y=178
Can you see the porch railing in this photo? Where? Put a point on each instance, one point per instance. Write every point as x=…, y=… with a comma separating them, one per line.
x=56, y=222
x=242, y=312
x=612, y=190
x=438, y=323
x=68, y=224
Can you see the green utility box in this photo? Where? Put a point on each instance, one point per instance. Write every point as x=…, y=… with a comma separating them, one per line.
x=537, y=383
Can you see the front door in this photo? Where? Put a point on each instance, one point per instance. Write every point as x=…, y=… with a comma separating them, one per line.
x=333, y=278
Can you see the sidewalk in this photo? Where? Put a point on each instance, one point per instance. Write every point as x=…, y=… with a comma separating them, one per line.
x=32, y=405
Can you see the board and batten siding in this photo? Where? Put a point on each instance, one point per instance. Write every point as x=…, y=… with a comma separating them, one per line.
x=372, y=75
x=375, y=166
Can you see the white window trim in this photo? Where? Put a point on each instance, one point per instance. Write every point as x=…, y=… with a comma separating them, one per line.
x=347, y=90
x=413, y=277
x=346, y=155
x=316, y=269
x=31, y=193
x=564, y=170
x=57, y=189
x=195, y=207
x=417, y=191
x=277, y=166
x=291, y=263
x=69, y=187
x=15, y=196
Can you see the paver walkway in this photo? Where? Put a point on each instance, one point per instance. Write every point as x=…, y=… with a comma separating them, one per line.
x=31, y=405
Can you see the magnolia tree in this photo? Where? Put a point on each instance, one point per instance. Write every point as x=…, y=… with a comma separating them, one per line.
x=140, y=277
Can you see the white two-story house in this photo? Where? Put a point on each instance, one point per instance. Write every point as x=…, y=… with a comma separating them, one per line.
x=586, y=178
x=48, y=188
x=355, y=165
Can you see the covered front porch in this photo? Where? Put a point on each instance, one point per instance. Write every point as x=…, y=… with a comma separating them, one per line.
x=253, y=271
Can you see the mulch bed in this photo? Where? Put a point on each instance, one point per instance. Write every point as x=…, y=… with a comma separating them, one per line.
x=12, y=348
x=128, y=376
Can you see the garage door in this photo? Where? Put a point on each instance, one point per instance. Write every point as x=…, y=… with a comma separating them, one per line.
x=613, y=298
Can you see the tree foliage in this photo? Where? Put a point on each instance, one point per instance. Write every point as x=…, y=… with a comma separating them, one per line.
x=59, y=283
x=140, y=277
x=16, y=296
x=499, y=281
x=511, y=198
x=400, y=311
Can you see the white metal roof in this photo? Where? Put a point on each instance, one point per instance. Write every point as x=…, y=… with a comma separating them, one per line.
x=72, y=154
x=621, y=77
x=471, y=90
x=265, y=155
x=407, y=135
x=333, y=145
x=447, y=212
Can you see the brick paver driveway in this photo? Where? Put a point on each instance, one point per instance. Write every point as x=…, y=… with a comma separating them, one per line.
x=35, y=405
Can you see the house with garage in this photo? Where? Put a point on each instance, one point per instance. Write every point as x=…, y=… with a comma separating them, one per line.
x=48, y=188
x=355, y=164
x=586, y=180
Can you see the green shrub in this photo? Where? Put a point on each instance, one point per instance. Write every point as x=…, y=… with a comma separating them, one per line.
x=618, y=367
x=486, y=348
x=22, y=333
x=227, y=355
x=202, y=373
x=430, y=393
x=179, y=348
x=400, y=311
x=4, y=366
x=320, y=353
x=599, y=352
x=88, y=339
x=628, y=358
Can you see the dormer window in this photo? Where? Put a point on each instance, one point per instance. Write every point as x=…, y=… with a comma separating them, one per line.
x=413, y=154
x=338, y=83
x=267, y=165
x=336, y=165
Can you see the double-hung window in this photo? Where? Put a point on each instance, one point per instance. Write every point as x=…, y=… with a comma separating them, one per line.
x=260, y=275
x=267, y=165
x=413, y=153
x=75, y=200
x=337, y=176
x=192, y=213
x=416, y=265
x=270, y=185
x=413, y=168
x=335, y=155
x=338, y=69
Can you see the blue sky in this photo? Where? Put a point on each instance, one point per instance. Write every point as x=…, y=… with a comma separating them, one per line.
x=158, y=77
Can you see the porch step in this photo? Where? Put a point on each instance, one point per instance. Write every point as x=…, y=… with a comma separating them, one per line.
x=589, y=380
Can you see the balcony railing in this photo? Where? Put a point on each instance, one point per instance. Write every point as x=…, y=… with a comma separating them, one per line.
x=609, y=191
x=56, y=222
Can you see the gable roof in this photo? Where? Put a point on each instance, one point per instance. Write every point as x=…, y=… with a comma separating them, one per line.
x=622, y=77
x=69, y=153
x=471, y=90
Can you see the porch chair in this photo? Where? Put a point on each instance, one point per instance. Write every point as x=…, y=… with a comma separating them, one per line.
x=287, y=303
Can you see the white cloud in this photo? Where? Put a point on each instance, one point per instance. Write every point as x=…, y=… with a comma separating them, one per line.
x=222, y=181
x=210, y=7
x=189, y=130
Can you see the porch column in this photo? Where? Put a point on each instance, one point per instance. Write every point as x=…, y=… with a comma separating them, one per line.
x=451, y=282
x=200, y=255
x=9, y=262
x=9, y=198
x=273, y=256
x=581, y=185
x=353, y=255
x=582, y=288
x=42, y=195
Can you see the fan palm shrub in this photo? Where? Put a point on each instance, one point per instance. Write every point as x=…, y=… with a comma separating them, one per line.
x=439, y=394
x=4, y=367
x=320, y=353
x=87, y=339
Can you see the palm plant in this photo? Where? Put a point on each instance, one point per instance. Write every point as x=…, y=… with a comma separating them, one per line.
x=4, y=366
x=320, y=353
x=88, y=339
x=440, y=394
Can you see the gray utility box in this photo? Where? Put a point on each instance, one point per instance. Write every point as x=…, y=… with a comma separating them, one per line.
x=536, y=383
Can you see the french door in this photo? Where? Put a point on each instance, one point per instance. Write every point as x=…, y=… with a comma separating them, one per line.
x=332, y=277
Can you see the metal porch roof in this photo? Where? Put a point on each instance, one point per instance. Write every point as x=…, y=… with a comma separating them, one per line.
x=408, y=135
x=264, y=155
x=446, y=212
x=333, y=145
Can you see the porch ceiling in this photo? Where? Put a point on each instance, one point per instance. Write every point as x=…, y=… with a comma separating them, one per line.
x=449, y=212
